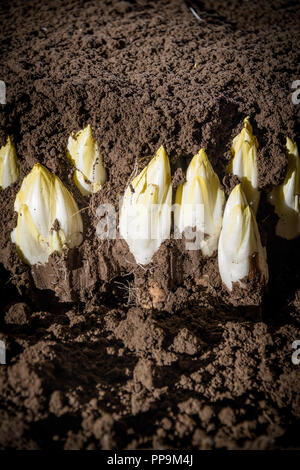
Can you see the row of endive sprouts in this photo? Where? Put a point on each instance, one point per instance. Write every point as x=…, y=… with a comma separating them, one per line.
x=49, y=219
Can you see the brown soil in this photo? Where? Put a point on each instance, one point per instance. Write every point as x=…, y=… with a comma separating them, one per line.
x=102, y=353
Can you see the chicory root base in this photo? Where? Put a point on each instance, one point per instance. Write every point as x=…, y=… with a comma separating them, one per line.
x=102, y=353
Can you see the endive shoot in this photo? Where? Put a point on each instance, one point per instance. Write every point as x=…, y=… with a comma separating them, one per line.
x=9, y=170
x=244, y=163
x=286, y=197
x=202, y=190
x=145, y=216
x=83, y=151
x=48, y=217
x=240, y=252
